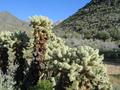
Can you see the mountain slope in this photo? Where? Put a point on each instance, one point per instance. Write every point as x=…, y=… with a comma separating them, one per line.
x=8, y=22
x=98, y=19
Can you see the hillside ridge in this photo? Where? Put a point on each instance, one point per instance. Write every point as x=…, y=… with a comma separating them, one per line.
x=98, y=16
x=9, y=22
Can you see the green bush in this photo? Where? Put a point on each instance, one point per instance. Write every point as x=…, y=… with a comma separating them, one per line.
x=103, y=35
x=111, y=54
x=115, y=34
x=88, y=34
x=43, y=85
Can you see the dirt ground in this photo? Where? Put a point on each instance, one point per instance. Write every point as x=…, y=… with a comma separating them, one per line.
x=113, y=68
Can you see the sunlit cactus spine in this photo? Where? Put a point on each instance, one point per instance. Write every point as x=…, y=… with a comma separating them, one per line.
x=41, y=26
x=20, y=43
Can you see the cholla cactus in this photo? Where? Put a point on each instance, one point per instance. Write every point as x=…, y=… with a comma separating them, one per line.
x=78, y=68
x=5, y=38
x=7, y=81
x=40, y=22
x=5, y=42
x=21, y=42
x=8, y=84
x=41, y=26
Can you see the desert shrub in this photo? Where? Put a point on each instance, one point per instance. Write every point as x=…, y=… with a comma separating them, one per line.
x=112, y=54
x=108, y=48
x=115, y=34
x=43, y=85
x=103, y=35
x=107, y=45
x=88, y=34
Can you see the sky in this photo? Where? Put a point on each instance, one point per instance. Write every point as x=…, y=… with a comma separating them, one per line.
x=54, y=9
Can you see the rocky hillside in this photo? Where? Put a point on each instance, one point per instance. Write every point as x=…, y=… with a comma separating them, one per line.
x=98, y=19
x=8, y=22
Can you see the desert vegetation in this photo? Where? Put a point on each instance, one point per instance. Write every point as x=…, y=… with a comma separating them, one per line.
x=96, y=25
x=45, y=62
